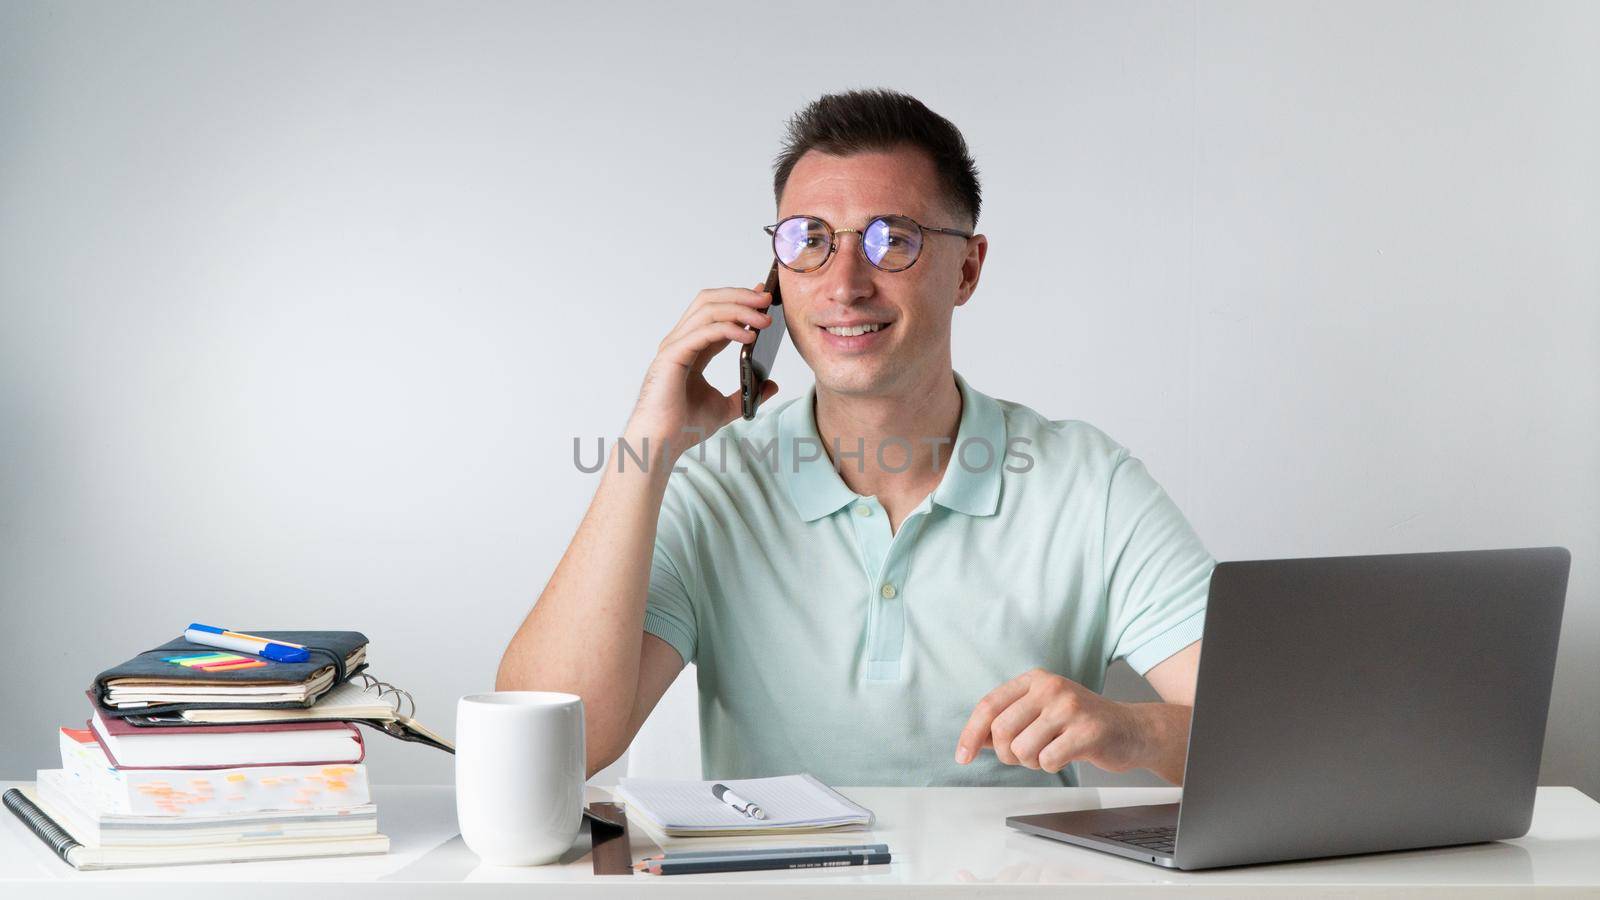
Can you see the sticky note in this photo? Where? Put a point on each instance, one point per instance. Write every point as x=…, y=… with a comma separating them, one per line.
x=220, y=659
x=195, y=659
x=231, y=666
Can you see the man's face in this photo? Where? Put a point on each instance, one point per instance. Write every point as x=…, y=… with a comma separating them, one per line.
x=912, y=307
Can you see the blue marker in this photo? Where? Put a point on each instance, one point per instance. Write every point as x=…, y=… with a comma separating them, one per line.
x=224, y=639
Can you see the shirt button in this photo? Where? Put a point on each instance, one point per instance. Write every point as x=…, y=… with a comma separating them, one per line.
x=863, y=510
x=887, y=591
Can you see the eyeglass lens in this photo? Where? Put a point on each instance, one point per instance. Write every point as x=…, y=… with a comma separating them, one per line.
x=890, y=242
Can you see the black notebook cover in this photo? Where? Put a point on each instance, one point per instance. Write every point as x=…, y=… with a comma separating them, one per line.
x=333, y=646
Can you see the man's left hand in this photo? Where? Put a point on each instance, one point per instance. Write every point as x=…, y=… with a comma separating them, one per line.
x=1045, y=721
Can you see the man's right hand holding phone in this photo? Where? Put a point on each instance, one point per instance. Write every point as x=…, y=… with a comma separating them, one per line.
x=676, y=403
x=585, y=635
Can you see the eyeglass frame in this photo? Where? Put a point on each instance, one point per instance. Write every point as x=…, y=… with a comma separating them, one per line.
x=833, y=239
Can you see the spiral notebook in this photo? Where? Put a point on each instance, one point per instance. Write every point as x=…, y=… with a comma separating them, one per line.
x=67, y=841
x=362, y=699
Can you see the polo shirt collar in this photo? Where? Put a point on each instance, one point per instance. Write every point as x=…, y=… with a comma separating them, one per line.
x=818, y=491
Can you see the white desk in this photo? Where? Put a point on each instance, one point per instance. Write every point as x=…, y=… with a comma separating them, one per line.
x=946, y=841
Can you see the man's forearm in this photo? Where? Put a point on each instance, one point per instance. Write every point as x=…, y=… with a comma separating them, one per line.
x=583, y=635
x=1163, y=738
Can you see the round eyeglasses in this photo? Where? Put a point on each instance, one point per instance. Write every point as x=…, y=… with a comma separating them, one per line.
x=891, y=243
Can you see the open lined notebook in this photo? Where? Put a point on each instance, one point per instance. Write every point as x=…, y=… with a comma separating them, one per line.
x=793, y=803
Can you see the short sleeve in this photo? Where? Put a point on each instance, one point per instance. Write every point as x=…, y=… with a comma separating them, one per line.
x=669, y=611
x=1157, y=572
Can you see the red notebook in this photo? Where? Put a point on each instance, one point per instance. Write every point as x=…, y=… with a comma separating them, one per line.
x=227, y=746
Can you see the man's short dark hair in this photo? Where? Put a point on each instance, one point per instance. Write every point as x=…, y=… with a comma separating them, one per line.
x=882, y=119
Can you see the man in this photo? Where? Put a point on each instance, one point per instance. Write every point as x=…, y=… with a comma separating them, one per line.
x=877, y=599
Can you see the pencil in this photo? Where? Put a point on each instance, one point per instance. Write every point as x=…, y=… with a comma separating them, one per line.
x=760, y=851
x=751, y=863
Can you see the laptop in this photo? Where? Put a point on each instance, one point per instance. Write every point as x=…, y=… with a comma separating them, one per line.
x=1353, y=705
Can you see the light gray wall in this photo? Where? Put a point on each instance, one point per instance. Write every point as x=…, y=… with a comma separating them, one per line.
x=302, y=304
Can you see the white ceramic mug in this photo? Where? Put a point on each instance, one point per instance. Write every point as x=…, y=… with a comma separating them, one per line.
x=519, y=775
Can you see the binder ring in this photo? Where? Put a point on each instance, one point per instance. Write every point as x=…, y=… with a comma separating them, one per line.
x=385, y=687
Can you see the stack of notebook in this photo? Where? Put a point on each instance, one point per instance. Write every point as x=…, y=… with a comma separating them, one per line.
x=152, y=779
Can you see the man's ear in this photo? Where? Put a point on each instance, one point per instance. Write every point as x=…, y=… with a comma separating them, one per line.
x=971, y=267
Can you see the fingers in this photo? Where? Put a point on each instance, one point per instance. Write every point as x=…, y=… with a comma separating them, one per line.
x=717, y=312
x=1030, y=742
x=709, y=352
x=1071, y=744
x=1037, y=720
x=729, y=312
x=1053, y=724
x=684, y=349
x=768, y=388
x=756, y=299
x=674, y=389
x=983, y=716
x=692, y=345
x=1010, y=724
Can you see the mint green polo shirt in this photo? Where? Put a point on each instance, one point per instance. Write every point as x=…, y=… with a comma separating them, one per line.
x=824, y=644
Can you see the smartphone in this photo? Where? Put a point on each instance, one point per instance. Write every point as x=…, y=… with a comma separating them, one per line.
x=755, y=358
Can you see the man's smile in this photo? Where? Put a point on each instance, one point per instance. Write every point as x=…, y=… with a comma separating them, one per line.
x=858, y=335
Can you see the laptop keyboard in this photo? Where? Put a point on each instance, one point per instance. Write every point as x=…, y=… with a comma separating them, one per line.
x=1160, y=839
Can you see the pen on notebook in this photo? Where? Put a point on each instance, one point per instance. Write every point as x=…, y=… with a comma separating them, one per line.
x=239, y=634
x=769, y=861
x=722, y=792
x=211, y=636
x=255, y=637
x=761, y=851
